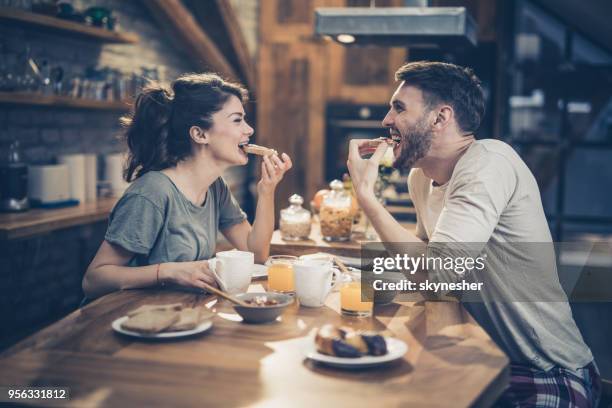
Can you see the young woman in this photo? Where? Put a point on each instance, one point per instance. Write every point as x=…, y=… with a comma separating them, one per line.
x=165, y=226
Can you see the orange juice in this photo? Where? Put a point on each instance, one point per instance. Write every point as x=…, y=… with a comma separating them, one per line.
x=280, y=277
x=351, y=303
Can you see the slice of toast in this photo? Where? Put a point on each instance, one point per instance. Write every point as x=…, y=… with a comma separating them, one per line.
x=189, y=319
x=149, y=308
x=153, y=321
x=259, y=150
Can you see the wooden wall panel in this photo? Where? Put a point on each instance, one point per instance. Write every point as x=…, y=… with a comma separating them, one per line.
x=376, y=91
x=291, y=110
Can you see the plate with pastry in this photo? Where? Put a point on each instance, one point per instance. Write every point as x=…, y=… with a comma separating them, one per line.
x=164, y=321
x=345, y=347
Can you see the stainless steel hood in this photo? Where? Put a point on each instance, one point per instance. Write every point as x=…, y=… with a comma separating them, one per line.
x=422, y=27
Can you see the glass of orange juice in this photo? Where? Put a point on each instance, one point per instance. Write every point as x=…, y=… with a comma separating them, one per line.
x=351, y=301
x=280, y=273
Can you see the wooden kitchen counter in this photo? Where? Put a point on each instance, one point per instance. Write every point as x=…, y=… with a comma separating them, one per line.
x=37, y=221
x=316, y=243
x=450, y=361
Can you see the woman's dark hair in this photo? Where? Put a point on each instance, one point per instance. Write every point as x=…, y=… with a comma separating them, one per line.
x=447, y=83
x=157, y=128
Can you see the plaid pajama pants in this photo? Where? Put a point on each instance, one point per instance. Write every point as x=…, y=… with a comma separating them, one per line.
x=556, y=388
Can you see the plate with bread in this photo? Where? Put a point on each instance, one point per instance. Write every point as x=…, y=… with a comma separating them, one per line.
x=164, y=321
x=345, y=347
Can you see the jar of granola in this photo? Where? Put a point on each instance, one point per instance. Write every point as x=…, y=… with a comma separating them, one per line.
x=295, y=221
x=336, y=215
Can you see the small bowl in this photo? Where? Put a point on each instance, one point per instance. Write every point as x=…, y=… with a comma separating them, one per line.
x=263, y=314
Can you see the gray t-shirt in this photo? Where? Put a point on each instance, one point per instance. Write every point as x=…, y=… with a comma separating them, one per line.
x=492, y=203
x=155, y=221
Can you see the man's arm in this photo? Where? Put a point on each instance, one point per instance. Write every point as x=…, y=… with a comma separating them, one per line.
x=395, y=238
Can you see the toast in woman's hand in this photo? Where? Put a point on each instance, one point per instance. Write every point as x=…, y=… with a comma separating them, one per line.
x=259, y=150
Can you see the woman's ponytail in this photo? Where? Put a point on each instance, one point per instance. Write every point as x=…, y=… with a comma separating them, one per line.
x=157, y=129
x=146, y=131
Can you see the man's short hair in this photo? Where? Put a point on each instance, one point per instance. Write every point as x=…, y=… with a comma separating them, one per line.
x=447, y=83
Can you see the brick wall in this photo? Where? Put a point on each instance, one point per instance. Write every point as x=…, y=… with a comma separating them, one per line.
x=41, y=276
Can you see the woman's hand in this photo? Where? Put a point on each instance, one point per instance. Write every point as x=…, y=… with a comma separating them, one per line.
x=189, y=274
x=272, y=171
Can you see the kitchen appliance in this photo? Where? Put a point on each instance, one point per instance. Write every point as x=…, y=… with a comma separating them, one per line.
x=13, y=181
x=49, y=185
x=414, y=27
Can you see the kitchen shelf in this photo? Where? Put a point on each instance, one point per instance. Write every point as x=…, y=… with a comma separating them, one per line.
x=39, y=221
x=9, y=14
x=35, y=99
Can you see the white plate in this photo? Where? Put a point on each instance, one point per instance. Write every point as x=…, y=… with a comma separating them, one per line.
x=395, y=349
x=164, y=335
x=259, y=271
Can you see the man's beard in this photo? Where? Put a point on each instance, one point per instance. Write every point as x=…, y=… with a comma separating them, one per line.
x=414, y=145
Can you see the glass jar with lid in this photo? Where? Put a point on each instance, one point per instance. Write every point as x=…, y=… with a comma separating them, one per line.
x=336, y=215
x=295, y=220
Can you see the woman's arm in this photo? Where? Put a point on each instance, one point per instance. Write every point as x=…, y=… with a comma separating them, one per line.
x=108, y=272
x=257, y=238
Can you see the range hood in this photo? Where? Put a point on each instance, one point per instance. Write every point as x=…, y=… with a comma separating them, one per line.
x=413, y=27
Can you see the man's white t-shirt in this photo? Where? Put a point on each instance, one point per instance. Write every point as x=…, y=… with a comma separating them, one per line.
x=493, y=200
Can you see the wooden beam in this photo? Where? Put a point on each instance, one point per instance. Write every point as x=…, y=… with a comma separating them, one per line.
x=230, y=21
x=173, y=15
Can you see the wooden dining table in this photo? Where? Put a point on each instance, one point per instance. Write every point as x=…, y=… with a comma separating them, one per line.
x=450, y=361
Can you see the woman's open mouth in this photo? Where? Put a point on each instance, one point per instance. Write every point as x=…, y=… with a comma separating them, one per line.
x=241, y=147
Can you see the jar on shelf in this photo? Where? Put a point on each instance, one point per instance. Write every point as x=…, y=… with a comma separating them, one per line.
x=295, y=220
x=336, y=215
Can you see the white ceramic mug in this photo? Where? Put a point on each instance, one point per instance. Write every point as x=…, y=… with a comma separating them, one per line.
x=313, y=281
x=233, y=270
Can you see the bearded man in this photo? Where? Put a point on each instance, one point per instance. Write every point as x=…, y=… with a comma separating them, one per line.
x=480, y=191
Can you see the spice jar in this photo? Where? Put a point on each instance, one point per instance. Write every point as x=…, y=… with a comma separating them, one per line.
x=295, y=220
x=336, y=215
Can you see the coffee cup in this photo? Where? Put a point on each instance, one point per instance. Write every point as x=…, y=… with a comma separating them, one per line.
x=233, y=270
x=313, y=281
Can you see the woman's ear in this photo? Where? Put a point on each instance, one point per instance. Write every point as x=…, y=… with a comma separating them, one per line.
x=198, y=135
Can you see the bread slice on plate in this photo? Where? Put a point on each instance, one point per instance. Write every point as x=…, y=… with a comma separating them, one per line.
x=149, y=308
x=189, y=319
x=153, y=321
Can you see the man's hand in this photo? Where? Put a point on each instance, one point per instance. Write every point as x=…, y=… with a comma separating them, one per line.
x=364, y=172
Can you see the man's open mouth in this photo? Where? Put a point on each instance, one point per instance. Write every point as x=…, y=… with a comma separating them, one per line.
x=396, y=138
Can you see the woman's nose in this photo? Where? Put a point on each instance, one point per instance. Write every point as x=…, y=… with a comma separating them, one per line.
x=249, y=130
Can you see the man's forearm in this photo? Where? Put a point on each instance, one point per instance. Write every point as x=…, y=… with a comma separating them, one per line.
x=387, y=227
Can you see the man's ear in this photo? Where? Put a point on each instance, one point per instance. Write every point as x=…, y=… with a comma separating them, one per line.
x=198, y=135
x=443, y=118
